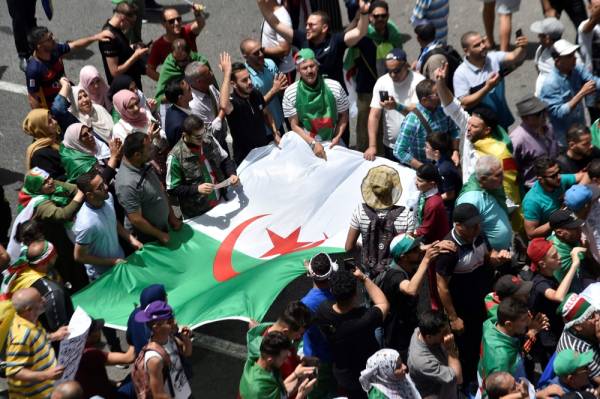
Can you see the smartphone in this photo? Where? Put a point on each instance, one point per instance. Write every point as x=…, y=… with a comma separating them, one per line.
x=519, y=33
x=383, y=95
x=350, y=264
x=149, y=43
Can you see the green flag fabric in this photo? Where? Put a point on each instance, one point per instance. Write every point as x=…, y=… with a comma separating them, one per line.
x=76, y=163
x=316, y=108
x=233, y=261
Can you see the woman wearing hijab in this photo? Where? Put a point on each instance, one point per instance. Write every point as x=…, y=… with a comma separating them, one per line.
x=80, y=151
x=135, y=117
x=92, y=114
x=124, y=82
x=52, y=204
x=97, y=89
x=43, y=152
x=386, y=377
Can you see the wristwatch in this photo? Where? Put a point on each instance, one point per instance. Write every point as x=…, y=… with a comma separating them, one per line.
x=313, y=144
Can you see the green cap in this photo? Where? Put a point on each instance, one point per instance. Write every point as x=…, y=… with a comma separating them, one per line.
x=304, y=55
x=403, y=243
x=568, y=361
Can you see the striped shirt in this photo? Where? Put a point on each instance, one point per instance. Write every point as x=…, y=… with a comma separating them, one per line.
x=28, y=347
x=405, y=223
x=289, y=98
x=434, y=11
x=570, y=341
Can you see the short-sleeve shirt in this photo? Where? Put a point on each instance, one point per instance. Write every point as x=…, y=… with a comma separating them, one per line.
x=468, y=75
x=263, y=82
x=314, y=341
x=538, y=204
x=538, y=303
x=96, y=228
x=120, y=48
x=404, y=93
x=289, y=98
x=570, y=165
x=161, y=47
x=402, y=318
x=140, y=190
x=259, y=383
x=92, y=374
x=43, y=77
x=246, y=124
x=28, y=346
x=270, y=38
x=451, y=181
x=404, y=223
x=329, y=53
x=351, y=337
x=570, y=341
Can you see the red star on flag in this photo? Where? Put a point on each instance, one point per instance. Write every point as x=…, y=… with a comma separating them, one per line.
x=289, y=244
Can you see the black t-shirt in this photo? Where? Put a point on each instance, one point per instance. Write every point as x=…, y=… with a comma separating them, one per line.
x=470, y=277
x=538, y=303
x=246, y=124
x=570, y=165
x=451, y=181
x=120, y=47
x=351, y=338
x=329, y=53
x=401, y=321
x=366, y=67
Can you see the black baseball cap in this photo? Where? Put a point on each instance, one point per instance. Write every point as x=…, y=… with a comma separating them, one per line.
x=466, y=214
x=508, y=285
x=564, y=219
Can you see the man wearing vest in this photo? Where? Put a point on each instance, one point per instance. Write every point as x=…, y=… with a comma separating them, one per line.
x=317, y=108
x=378, y=220
x=195, y=165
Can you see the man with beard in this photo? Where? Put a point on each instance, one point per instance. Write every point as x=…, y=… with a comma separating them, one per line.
x=546, y=195
x=140, y=192
x=317, y=108
x=246, y=110
x=580, y=151
x=174, y=29
x=195, y=164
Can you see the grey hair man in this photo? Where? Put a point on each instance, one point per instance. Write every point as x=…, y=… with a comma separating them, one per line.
x=484, y=190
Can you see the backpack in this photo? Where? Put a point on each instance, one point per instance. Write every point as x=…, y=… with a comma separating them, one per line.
x=452, y=57
x=139, y=375
x=375, y=254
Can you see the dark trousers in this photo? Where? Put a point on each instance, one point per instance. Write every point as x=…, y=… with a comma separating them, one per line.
x=575, y=9
x=22, y=13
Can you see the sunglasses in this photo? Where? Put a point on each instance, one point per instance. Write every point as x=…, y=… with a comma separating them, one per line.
x=397, y=70
x=380, y=16
x=173, y=20
x=552, y=176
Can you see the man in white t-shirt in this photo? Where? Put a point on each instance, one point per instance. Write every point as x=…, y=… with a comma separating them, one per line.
x=588, y=34
x=549, y=30
x=274, y=45
x=164, y=351
x=96, y=228
x=394, y=94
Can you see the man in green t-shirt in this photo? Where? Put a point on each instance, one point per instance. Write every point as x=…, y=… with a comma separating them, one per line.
x=546, y=195
x=261, y=378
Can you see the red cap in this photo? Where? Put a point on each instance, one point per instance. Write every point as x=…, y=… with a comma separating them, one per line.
x=537, y=249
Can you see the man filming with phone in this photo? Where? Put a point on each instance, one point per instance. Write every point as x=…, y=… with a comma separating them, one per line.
x=394, y=95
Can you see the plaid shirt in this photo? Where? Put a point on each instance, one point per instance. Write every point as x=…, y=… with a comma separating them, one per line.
x=411, y=139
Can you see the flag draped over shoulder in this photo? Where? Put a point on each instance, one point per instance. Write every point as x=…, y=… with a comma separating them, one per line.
x=232, y=262
x=76, y=163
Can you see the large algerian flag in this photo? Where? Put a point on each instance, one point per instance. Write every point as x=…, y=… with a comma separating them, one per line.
x=232, y=262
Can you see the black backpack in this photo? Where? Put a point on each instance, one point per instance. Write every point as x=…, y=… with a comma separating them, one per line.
x=452, y=56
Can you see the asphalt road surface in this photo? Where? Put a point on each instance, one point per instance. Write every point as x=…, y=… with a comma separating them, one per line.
x=216, y=370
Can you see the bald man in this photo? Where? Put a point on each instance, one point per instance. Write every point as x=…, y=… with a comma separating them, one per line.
x=68, y=390
x=266, y=78
x=31, y=365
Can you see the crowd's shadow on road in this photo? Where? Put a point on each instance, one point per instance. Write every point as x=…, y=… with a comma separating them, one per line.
x=6, y=29
x=3, y=69
x=9, y=177
x=81, y=54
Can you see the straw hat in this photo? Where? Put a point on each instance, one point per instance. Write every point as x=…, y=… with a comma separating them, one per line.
x=381, y=188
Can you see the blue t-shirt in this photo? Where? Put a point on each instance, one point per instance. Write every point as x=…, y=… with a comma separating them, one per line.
x=538, y=204
x=43, y=77
x=314, y=343
x=263, y=81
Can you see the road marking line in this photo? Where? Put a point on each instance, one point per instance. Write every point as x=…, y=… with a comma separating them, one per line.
x=220, y=346
x=13, y=87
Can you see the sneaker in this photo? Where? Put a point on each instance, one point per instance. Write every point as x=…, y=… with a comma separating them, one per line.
x=23, y=64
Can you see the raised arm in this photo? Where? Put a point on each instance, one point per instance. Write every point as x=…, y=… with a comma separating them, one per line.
x=225, y=65
x=353, y=36
x=102, y=36
x=267, y=8
x=199, y=20
x=519, y=53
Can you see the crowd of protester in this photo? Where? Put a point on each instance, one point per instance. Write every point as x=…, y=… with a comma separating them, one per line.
x=478, y=290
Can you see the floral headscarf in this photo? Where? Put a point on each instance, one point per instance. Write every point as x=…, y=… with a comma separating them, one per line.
x=380, y=374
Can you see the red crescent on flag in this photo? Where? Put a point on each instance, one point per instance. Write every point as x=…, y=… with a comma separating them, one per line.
x=222, y=266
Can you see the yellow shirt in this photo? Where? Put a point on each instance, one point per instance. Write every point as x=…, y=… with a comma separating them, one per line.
x=28, y=347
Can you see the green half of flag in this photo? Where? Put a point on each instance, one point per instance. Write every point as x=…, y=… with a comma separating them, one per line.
x=185, y=267
x=76, y=163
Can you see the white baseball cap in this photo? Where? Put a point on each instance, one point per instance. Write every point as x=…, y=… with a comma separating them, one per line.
x=564, y=47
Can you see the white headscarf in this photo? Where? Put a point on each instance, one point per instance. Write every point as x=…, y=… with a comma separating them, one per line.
x=99, y=118
x=380, y=374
